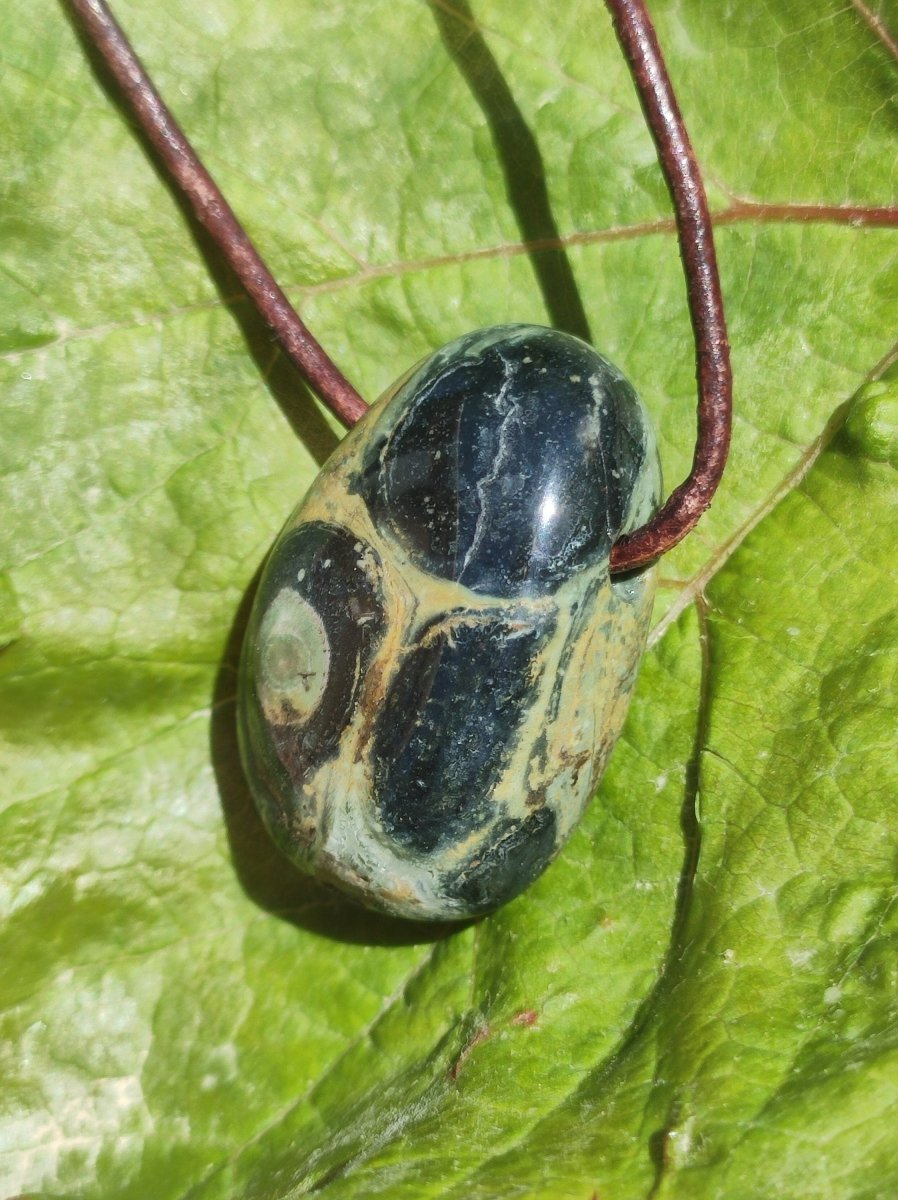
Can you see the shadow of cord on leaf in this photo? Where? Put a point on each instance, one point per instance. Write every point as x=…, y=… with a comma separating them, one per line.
x=522, y=166
x=287, y=387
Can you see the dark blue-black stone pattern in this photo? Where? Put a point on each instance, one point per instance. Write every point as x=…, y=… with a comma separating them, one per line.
x=508, y=469
x=447, y=729
x=517, y=853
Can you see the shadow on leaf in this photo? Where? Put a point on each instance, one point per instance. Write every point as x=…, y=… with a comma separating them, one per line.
x=284, y=383
x=522, y=165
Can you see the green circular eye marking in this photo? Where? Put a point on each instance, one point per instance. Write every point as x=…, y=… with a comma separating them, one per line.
x=294, y=658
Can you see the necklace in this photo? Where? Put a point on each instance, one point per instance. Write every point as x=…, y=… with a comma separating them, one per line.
x=439, y=657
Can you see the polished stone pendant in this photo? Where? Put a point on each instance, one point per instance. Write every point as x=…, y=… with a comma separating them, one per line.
x=438, y=661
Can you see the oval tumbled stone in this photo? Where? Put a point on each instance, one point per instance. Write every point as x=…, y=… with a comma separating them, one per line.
x=438, y=661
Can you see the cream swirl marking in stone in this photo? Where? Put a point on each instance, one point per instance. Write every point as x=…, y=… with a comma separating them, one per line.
x=294, y=658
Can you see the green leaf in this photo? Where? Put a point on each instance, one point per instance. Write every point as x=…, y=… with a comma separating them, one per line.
x=699, y=998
